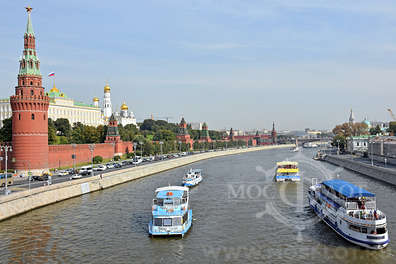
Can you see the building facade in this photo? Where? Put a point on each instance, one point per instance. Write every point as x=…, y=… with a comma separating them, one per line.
x=61, y=106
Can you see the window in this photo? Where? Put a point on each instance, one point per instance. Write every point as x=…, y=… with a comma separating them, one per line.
x=176, y=221
x=185, y=217
x=32, y=116
x=44, y=116
x=31, y=92
x=19, y=116
x=31, y=83
x=158, y=221
x=167, y=221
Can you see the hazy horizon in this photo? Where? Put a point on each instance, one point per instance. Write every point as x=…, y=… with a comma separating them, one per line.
x=240, y=64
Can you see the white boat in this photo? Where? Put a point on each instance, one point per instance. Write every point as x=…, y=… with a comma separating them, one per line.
x=310, y=145
x=193, y=177
x=170, y=212
x=287, y=171
x=350, y=211
x=296, y=148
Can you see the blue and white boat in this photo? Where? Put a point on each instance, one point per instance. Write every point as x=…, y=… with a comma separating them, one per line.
x=170, y=212
x=350, y=211
x=193, y=177
x=287, y=171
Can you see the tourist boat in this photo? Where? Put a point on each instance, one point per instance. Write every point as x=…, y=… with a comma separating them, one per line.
x=310, y=145
x=192, y=177
x=350, y=211
x=170, y=212
x=287, y=171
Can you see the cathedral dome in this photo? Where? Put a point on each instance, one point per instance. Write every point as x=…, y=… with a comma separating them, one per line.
x=96, y=99
x=54, y=89
x=107, y=89
x=124, y=107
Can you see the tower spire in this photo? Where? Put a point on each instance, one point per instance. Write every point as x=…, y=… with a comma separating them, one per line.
x=29, y=26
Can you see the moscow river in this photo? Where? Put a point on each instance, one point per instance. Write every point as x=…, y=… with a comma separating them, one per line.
x=240, y=216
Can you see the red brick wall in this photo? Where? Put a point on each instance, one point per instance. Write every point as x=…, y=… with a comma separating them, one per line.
x=61, y=155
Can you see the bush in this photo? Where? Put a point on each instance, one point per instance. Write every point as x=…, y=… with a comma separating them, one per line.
x=97, y=159
x=117, y=158
x=130, y=155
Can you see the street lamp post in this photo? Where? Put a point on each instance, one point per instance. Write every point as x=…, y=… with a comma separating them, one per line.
x=141, y=148
x=6, y=148
x=74, y=157
x=161, y=143
x=338, y=147
x=180, y=146
x=372, y=160
x=134, y=147
x=92, y=148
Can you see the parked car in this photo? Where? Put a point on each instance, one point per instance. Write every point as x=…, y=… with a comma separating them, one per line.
x=117, y=165
x=76, y=176
x=62, y=173
x=137, y=160
x=39, y=178
x=110, y=165
x=86, y=170
x=100, y=168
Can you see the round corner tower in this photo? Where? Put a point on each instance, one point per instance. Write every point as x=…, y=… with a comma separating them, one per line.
x=29, y=111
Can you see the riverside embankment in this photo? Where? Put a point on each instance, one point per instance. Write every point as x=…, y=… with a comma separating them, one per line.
x=21, y=202
x=379, y=173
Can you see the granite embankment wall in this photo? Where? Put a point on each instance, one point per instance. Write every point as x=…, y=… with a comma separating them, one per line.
x=20, y=202
x=378, y=173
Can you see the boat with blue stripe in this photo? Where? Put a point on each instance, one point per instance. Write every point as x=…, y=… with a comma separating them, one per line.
x=170, y=212
x=350, y=211
x=287, y=171
x=193, y=177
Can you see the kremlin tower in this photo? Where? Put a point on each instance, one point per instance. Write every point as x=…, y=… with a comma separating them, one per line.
x=183, y=135
x=274, y=135
x=29, y=110
x=204, y=137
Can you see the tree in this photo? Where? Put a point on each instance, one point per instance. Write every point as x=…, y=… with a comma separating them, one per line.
x=63, y=126
x=392, y=127
x=339, y=140
x=164, y=135
x=347, y=129
x=6, y=130
x=97, y=159
x=51, y=132
x=375, y=130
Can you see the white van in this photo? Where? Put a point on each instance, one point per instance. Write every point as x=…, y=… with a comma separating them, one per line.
x=85, y=170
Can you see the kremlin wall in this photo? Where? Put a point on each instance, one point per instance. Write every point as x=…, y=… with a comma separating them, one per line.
x=31, y=109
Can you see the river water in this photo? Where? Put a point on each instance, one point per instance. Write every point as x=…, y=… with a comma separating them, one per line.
x=240, y=216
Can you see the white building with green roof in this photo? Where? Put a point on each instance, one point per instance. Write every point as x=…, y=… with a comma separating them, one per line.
x=61, y=106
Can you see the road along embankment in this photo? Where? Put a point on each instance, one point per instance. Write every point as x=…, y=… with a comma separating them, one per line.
x=378, y=173
x=24, y=201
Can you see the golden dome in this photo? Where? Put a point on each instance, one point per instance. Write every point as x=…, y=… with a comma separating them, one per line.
x=96, y=99
x=54, y=89
x=107, y=89
x=124, y=107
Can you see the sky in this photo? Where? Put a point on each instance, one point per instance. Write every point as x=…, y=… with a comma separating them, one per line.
x=231, y=63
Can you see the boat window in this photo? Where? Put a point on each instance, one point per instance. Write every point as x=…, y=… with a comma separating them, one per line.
x=364, y=230
x=185, y=217
x=167, y=221
x=354, y=228
x=168, y=202
x=381, y=230
x=159, y=202
x=158, y=221
x=176, y=221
